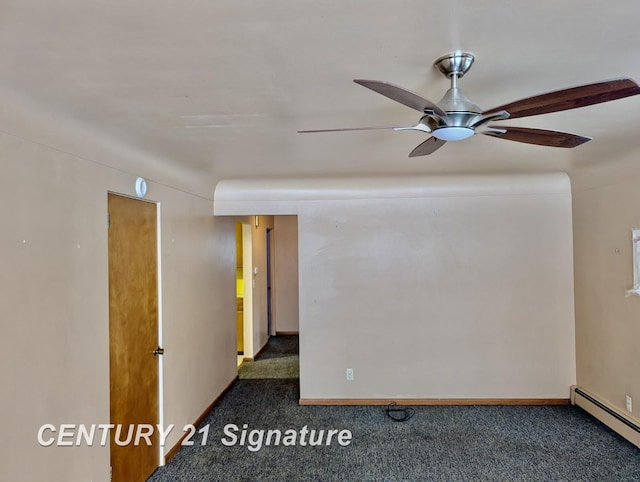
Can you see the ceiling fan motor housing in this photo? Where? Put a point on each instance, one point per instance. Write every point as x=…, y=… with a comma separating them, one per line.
x=461, y=112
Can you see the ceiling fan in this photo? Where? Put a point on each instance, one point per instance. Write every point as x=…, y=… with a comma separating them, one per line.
x=455, y=117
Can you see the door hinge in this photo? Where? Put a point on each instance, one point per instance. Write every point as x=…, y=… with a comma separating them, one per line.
x=108, y=220
x=158, y=351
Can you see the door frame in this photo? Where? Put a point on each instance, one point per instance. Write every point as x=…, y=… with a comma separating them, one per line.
x=271, y=280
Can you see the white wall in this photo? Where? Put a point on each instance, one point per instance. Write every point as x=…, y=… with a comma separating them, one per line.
x=286, y=300
x=441, y=287
x=607, y=321
x=54, y=349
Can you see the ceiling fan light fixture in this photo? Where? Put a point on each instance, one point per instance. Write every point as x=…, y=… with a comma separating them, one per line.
x=453, y=133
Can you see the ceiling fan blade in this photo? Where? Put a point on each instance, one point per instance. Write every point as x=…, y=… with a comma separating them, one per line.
x=349, y=129
x=427, y=147
x=571, y=98
x=540, y=137
x=402, y=95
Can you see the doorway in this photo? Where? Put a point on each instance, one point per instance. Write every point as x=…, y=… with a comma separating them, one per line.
x=133, y=336
x=244, y=292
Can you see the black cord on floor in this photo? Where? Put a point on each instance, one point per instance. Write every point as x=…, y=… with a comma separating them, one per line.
x=398, y=414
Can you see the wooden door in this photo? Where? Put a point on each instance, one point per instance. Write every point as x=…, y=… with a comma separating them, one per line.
x=133, y=335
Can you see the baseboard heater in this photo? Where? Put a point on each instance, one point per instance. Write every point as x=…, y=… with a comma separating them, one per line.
x=608, y=415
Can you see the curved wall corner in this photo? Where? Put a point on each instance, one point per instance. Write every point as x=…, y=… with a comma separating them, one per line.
x=246, y=197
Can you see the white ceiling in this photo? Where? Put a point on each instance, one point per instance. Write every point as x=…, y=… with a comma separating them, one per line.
x=220, y=87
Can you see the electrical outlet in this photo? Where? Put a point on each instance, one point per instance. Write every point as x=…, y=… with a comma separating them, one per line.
x=350, y=374
x=629, y=404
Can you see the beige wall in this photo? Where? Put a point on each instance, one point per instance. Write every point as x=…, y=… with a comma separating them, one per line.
x=457, y=287
x=607, y=321
x=54, y=305
x=286, y=298
x=199, y=306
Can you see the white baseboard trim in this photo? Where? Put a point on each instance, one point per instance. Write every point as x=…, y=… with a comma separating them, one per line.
x=612, y=417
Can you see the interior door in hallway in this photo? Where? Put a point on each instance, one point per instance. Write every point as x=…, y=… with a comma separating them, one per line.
x=133, y=336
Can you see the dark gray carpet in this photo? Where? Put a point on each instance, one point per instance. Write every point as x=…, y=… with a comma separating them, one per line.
x=278, y=360
x=477, y=443
x=279, y=346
